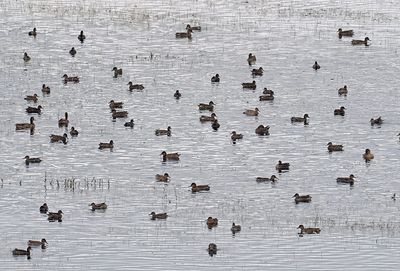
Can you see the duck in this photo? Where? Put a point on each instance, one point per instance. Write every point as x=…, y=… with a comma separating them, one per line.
x=251, y=59
x=29, y=160
x=198, y=188
x=98, y=206
x=215, y=125
x=235, y=228
x=377, y=121
x=304, y=198
x=170, y=156
x=282, y=166
x=368, y=155
x=257, y=72
x=196, y=28
x=316, y=66
x=117, y=72
x=349, y=180
x=18, y=252
x=55, y=216
x=32, y=110
x=59, y=138
x=45, y=89
x=209, y=106
x=25, y=126
x=72, y=52
x=215, y=78
x=187, y=34
x=262, y=130
x=44, y=208
x=235, y=136
x=343, y=90
x=267, y=91
x=339, y=111
x=212, y=249
x=114, y=105
x=64, y=121
x=31, y=98
x=160, y=132
x=308, y=230
x=273, y=178
x=109, y=145
x=177, y=95
x=74, y=79
x=251, y=85
x=212, y=222
x=203, y=118
x=345, y=33
x=81, y=37
x=155, y=216
x=33, y=32
x=129, y=124
x=119, y=114
x=135, y=86
x=251, y=112
x=73, y=132
x=332, y=148
x=162, y=177
x=26, y=57
x=266, y=98
x=301, y=119
x=360, y=42
x=35, y=243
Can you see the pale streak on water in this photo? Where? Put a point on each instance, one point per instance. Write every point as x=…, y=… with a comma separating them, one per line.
x=359, y=225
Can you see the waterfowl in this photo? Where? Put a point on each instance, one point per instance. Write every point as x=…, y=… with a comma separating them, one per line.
x=300, y=119
x=109, y=145
x=212, y=222
x=170, y=156
x=215, y=78
x=25, y=126
x=251, y=85
x=81, y=37
x=266, y=98
x=198, y=188
x=209, y=106
x=29, y=160
x=394, y=196
x=251, y=112
x=273, y=178
x=345, y=33
x=32, y=110
x=129, y=123
x=262, y=130
x=33, y=32
x=304, y=198
x=73, y=132
x=339, y=111
x=34, y=243
x=72, y=52
x=162, y=178
x=343, y=90
x=197, y=28
x=215, y=125
x=98, y=206
x=64, y=121
x=32, y=98
x=251, y=59
x=43, y=208
x=155, y=216
x=360, y=42
x=332, y=148
x=177, y=94
x=203, y=118
x=59, y=138
x=282, y=166
x=160, y=132
x=114, y=105
x=26, y=57
x=18, y=252
x=257, y=72
x=74, y=79
x=377, y=121
x=268, y=92
x=55, y=216
x=235, y=228
x=212, y=249
x=235, y=136
x=349, y=180
x=117, y=72
x=308, y=230
x=45, y=89
x=187, y=34
x=135, y=86
x=119, y=114
x=368, y=155
x=316, y=66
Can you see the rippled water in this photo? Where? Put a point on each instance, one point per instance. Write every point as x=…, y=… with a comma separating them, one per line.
x=359, y=224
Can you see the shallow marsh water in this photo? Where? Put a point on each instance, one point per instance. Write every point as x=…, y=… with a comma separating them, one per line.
x=359, y=225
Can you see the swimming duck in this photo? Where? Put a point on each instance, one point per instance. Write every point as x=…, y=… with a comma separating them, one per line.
x=339, y=111
x=266, y=98
x=301, y=119
x=155, y=216
x=360, y=42
x=308, y=230
x=177, y=94
x=72, y=52
x=25, y=126
x=117, y=72
x=98, y=206
x=32, y=110
x=198, y=188
x=81, y=37
x=262, y=130
x=197, y=28
x=215, y=125
x=304, y=198
x=212, y=249
x=33, y=32
x=332, y=148
x=26, y=57
x=212, y=222
x=114, y=105
x=32, y=98
x=251, y=112
x=64, y=121
x=29, y=160
x=160, y=132
x=235, y=136
x=251, y=59
x=316, y=66
x=268, y=92
x=345, y=33
x=119, y=114
x=282, y=166
x=251, y=85
x=55, y=216
x=273, y=178
x=377, y=121
x=343, y=90
x=74, y=79
x=135, y=86
x=215, y=78
x=43, y=209
x=162, y=178
x=45, y=89
x=187, y=34
x=106, y=145
x=368, y=155
x=129, y=123
x=209, y=106
x=34, y=243
x=257, y=72
x=73, y=132
x=58, y=138
x=349, y=180
x=208, y=118
x=170, y=156
x=235, y=228
x=18, y=252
